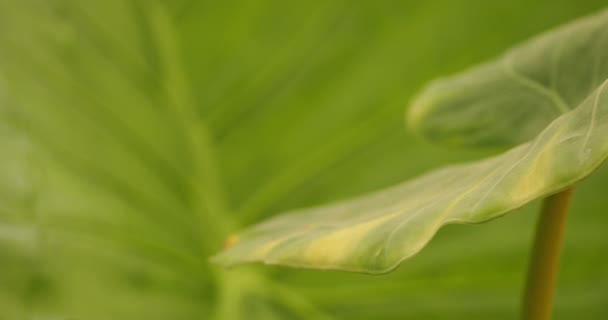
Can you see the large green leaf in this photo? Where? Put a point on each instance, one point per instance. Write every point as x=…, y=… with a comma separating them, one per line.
x=136, y=135
x=105, y=208
x=511, y=99
x=374, y=233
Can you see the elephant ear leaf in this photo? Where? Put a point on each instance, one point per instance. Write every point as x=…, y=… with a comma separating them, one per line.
x=553, y=87
x=508, y=101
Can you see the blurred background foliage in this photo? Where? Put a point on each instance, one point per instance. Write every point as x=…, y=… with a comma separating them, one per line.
x=136, y=135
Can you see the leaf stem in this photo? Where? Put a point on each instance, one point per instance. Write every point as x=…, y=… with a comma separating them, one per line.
x=544, y=263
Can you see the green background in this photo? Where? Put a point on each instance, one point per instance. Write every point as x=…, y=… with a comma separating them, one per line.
x=136, y=135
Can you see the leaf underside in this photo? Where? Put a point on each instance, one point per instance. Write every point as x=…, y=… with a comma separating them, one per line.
x=551, y=91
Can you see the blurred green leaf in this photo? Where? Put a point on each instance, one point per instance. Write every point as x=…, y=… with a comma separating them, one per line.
x=112, y=209
x=136, y=135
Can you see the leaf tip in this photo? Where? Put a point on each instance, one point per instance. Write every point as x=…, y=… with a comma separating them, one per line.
x=418, y=111
x=230, y=242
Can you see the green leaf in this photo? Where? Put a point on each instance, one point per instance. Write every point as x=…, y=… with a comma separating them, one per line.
x=135, y=136
x=509, y=100
x=374, y=233
x=99, y=186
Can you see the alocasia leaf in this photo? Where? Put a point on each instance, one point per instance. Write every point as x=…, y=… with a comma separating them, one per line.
x=511, y=99
x=374, y=233
x=99, y=188
x=109, y=197
x=110, y=201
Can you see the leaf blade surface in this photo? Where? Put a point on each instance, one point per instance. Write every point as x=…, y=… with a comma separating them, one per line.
x=374, y=233
x=509, y=100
